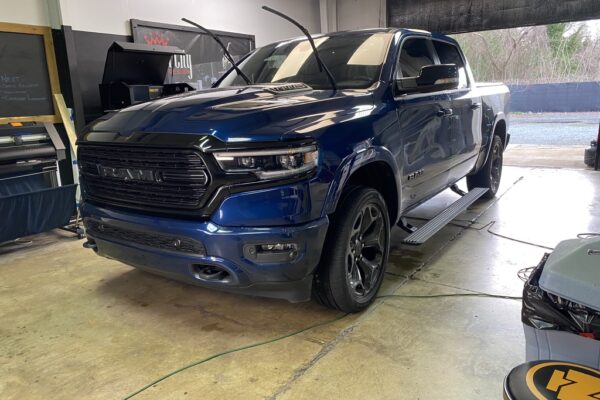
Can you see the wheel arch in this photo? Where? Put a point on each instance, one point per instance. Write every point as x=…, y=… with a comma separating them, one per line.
x=500, y=128
x=375, y=168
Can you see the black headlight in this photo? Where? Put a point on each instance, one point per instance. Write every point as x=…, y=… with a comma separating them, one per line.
x=270, y=163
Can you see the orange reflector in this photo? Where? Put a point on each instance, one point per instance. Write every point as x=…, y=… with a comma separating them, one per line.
x=16, y=124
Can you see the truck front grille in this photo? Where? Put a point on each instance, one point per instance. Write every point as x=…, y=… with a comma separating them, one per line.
x=162, y=180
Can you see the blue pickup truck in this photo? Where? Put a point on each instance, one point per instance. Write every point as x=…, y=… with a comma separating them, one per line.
x=283, y=180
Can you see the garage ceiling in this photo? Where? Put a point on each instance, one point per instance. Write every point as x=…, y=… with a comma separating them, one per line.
x=456, y=16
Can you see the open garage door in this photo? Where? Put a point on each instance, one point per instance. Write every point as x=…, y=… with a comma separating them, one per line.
x=554, y=78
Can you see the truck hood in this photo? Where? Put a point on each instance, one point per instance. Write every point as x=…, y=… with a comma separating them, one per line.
x=243, y=114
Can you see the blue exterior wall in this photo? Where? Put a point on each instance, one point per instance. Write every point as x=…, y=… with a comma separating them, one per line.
x=556, y=97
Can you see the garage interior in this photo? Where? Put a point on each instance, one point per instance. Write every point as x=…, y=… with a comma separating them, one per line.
x=446, y=323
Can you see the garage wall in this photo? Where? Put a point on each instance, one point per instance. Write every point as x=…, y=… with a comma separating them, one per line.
x=360, y=14
x=243, y=16
x=30, y=12
x=341, y=15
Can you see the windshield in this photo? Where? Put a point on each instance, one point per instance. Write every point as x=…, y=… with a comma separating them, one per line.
x=354, y=61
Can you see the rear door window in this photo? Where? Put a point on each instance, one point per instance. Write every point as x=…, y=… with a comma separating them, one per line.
x=449, y=54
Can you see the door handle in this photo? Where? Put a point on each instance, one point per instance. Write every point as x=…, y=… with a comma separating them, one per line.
x=445, y=112
x=475, y=106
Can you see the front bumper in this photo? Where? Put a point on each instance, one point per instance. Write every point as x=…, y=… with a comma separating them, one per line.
x=220, y=247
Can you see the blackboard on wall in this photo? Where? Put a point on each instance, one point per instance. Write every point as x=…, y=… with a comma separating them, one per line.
x=27, y=74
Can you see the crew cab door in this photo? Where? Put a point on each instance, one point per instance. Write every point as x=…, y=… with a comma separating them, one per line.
x=424, y=123
x=465, y=136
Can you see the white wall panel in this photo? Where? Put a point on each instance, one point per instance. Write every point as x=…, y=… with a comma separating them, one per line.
x=30, y=12
x=360, y=14
x=243, y=16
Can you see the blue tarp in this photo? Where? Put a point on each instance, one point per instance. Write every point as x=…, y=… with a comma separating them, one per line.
x=37, y=211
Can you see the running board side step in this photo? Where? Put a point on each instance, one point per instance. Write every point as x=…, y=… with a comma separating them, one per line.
x=432, y=227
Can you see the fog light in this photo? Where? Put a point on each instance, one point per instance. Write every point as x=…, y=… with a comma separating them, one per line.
x=279, y=247
x=271, y=252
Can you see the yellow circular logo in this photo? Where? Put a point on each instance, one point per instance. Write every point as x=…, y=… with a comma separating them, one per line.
x=555, y=380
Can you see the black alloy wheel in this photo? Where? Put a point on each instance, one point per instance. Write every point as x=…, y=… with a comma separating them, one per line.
x=490, y=174
x=496, y=169
x=355, y=253
x=366, y=247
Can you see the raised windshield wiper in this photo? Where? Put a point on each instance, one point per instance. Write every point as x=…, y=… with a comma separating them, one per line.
x=225, y=51
x=322, y=66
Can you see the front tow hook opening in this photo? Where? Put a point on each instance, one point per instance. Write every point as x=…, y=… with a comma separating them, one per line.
x=90, y=244
x=212, y=273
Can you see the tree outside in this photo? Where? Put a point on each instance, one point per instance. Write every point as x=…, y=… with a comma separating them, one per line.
x=564, y=52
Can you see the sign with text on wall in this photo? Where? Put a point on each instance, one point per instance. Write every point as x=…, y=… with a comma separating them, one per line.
x=28, y=74
x=203, y=62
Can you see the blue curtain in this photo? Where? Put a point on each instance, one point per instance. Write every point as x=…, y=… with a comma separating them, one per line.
x=28, y=212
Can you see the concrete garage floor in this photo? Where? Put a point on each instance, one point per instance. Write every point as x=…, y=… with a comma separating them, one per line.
x=545, y=156
x=78, y=326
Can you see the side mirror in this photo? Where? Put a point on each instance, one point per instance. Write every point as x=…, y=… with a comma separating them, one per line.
x=433, y=78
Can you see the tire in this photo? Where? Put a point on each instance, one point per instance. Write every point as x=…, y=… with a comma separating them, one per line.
x=355, y=253
x=490, y=174
x=590, y=156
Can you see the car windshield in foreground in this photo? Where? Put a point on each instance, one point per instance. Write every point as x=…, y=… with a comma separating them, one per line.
x=354, y=60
